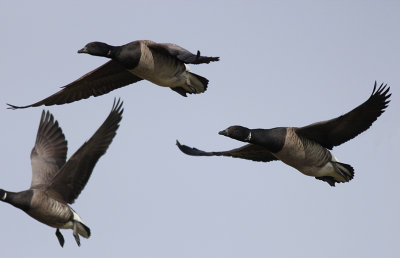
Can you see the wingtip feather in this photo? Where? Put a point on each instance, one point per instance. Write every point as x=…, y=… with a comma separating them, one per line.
x=14, y=107
x=118, y=106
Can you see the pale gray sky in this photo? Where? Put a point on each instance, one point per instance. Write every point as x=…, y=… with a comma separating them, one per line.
x=283, y=63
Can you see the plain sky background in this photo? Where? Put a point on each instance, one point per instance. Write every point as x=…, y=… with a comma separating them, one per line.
x=283, y=63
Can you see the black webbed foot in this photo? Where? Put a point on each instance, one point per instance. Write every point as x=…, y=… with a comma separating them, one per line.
x=77, y=239
x=76, y=235
x=60, y=237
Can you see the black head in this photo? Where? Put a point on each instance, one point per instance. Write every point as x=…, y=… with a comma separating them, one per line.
x=3, y=195
x=237, y=132
x=96, y=49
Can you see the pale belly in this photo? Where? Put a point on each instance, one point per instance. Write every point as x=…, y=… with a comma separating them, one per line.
x=314, y=168
x=163, y=77
x=165, y=80
x=51, y=213
x=307, y=158
x=158, y=69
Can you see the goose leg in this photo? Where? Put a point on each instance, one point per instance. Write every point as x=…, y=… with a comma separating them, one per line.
x=76, y=235
x=60, y=237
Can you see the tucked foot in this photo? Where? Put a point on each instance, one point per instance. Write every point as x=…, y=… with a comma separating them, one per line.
x=60, y=237
x=76, y=235
x=77, y=239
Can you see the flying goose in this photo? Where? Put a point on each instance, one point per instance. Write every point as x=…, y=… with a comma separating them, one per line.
x=55, y=182
x=163, y=64
x=306, y=148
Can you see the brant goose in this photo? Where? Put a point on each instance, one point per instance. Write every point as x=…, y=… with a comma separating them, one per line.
x=55, y=182
x=163, y=64
x=306, y=148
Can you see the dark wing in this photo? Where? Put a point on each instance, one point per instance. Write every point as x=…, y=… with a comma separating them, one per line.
x=49, y=153
x=102, y=80
x=181, y=53
x=336, y=131
x=73, y=176
x=248, y=151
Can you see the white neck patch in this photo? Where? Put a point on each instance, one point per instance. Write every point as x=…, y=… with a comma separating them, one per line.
x=4, y=196
x=187, y=68
x=248, y=137
x=109, y=53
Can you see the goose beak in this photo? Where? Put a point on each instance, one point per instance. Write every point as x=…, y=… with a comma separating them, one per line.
x=223, y=133
x=83, y=50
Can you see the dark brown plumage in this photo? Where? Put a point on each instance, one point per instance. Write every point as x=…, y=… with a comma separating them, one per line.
x=73, y=176
x=339, y=130
x=55, y=181
x=161, y=63
x=102, y=80
x=306, y=148
x=248, y=151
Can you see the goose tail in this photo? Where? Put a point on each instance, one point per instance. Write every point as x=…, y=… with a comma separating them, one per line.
x=344, y=170
x=344, y=173
x=82, y=229
x=197, y=83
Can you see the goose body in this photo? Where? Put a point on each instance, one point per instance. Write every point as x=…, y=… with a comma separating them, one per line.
x=307, y=148
x=52, y=212
x=303, y=154
x=306, y=156
x=57, y=182
x=163, y=70
x=164, y=64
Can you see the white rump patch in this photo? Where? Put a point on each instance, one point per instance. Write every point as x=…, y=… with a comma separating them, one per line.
x=70, y=224
x=187, y=68
x=76, y=217
x=4, y=196
x=186, y=75
x=334, y=158
x=248, y=137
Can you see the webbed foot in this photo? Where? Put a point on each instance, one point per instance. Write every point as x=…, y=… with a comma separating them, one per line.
x=60, y=237
x=76, y=235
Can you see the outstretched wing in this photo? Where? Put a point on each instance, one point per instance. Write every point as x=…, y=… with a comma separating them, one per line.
x=336, y=131
x=248, y=151
x=181, y=53
x=49, y=153
x=102, y=80
x=73, y=176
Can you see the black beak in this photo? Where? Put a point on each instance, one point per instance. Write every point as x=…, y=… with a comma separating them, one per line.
x=223, y=133
x=83, y=50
